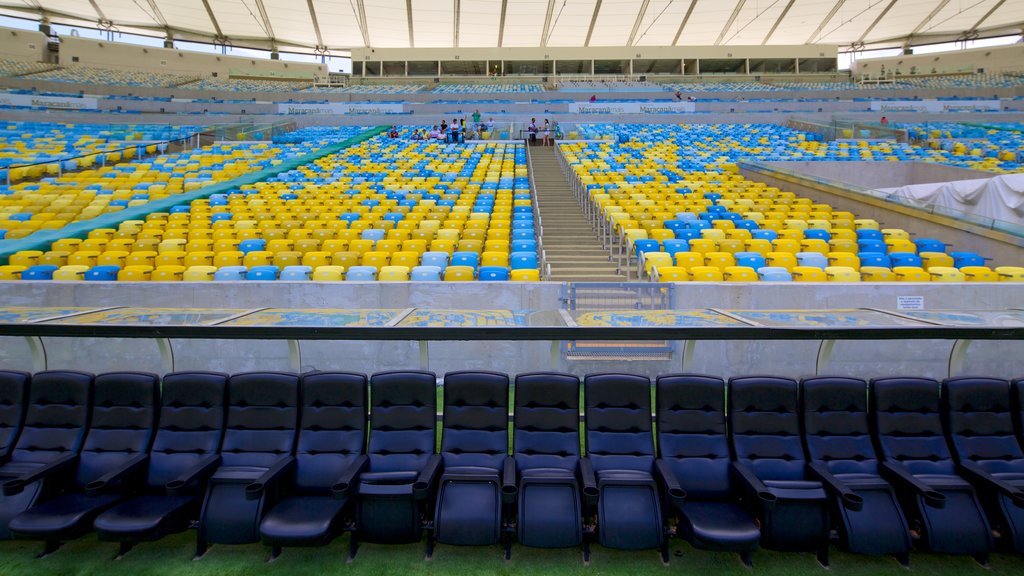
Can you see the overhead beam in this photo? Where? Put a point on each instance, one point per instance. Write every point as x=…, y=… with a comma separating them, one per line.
x=408, y=18
x=978, y=24
x=361, y=20
x=593, y=22
x=266, y=20
x=778, y=21
x=729, y=22
x=679, y=32
x=501, y=23
x=831, y=14
x=931, y=15
x=99, y=12
x=457, y=6
x=547, y=23
x=876, y=21
x=639, y=20
x=316, y=24
x=157, y=14
x=213, y=19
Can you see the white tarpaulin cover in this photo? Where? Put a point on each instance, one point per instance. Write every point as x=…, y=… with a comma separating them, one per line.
x=999, y=198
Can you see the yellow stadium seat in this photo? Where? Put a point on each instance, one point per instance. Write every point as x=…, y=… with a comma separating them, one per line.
x=842, y=274
x=911, y=274
x=525, y=275
x=808, y=274
x=376, y=259
x=459, y=273
x=167, y=274
x=703, y=245
x=895, y=234
x=346, y=259
x=1010, y=273
x=54, y=258
x=192, y=259
x=719, y=259
x=653, y=260
x=25, y=258
x=135, y=273
x=83, y=258
x=706, y=274
x=199, y=273
x=759, y=245
x=11, y=272
x=980, y=274
x=70, y=272
x=329, y=273
x=315, y=259
x=946, y=274
x=360, y=246
x=393, y=274
x=672, y=274
x=785, y=245
x=843, y=260
x=786, y=260
x=877, y=274
x=494, y=258
x=443, y=245
x=930, y=259
x=466, y=245
x=815, y=245
x=112, y=258
x=231, y=258
x=732, y=245
x=689, y=259
x=740, y=274
x=405, y=258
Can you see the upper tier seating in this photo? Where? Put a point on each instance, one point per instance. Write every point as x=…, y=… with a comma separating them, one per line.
x=112, y=77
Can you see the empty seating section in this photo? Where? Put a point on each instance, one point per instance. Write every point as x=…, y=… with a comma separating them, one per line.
x=112, y=77
x=249, y=85
x=487, y=88
x=20, y=68
x=673, y=208
x=286, y=458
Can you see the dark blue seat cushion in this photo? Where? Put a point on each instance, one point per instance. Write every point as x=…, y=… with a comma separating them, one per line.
x=301, y=521
x=721, y=526
x=943, y=481
x=64, y=515
x=238, y=473
x=623, y=477
x=796, y=489
x=548, y=474
x=144, y=517
x=858, y=481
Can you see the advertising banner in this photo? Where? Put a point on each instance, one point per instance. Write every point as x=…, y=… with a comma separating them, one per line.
x=340, y=108
x=63, y=102
x=933, y=105
x=631, y=107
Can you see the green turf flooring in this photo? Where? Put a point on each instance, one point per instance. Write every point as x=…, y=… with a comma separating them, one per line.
x=173, y=556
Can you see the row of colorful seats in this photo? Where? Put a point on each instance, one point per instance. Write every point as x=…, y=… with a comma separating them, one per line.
x=21, y=68
x=112, y=77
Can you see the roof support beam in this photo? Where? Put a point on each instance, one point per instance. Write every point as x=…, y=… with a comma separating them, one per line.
x=729, y=22
x=455, y=31
x=679, y=32
x=977, y=25
x=501, y=23
x=408, y=17
x=361, y=19
x=925, y=22
x=593, y=21
x=213, y=19
x=157, y=15
x=266, y=20
x=99, y=12
x=547, y=23
x=777, y=22
x=876, y=21
x=316, y=24
x=639, y=20
x=831, y=14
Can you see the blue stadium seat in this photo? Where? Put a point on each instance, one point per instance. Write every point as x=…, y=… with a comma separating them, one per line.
x=262, y=273
x=493, y=274
x=230, y=273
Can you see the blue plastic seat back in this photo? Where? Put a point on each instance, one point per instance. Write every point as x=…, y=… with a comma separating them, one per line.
x=618, y=422
x=333, y=430
x=493, y=274
x=191, y=424
x=402, y=420
x=361, y=273
x=979, y=412
x=835, y=422
x=908, y=422
x=546, y=421
x=426, y=274
x=122, y=423
x=692, y=433
x=263, y=411
x=57, y=412
x=465, y=259
x=437, y=259
x=904, y=259
x=765, y=426
x=475, y=424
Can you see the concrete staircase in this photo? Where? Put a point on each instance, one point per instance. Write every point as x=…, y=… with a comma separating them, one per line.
x=573, y=250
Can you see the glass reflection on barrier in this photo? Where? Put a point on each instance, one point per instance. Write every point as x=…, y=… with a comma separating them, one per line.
x=654, y=318
x=154, y=317
x=300, y=317
x=853, y=318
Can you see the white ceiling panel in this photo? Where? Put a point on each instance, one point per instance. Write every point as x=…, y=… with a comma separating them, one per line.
x=615, y=22
x=570, y=21
x=478, y=23
x=434, y=22
x=524, y=22
x=388, y=24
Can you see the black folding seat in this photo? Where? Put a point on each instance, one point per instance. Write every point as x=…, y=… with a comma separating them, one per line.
x=789, y=501
x=256, y=455
x=835, y=422
x=918, y=463
x=398, y=483
x=110, y=465
x=13, y=396
x=694, y=465
x=182, y=458
x=550, y=471
x=330, y=454
x=474, y=453
x=979, y=415
x=620, y=447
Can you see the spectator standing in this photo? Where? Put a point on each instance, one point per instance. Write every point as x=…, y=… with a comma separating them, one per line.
x=476, y=117
x=546, y=133
x=884, y=122
x=533, y=130
x=593, y=98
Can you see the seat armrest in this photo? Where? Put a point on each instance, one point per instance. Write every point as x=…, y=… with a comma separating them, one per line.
x=509, y=490
x=590, y=491
x=753, y=484
x=16, y=485
x=198, y=473
x=134, y=465
x=425, y=481
x=834, y=485
x=256, y=489
x=340, y=489
x=676, y=494
x=978, y=475
x=898, y=474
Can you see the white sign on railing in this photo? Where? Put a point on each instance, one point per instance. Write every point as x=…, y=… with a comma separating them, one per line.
x=631, y=107
x=340, y=108
x=933, y=105
x=63, y=102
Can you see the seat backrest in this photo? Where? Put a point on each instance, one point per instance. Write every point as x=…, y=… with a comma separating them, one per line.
x=333, y=430
x=908, y=424
x=546, y=422
x=834, y=414
x=262, y=418
x=618, y=421
x=124, y=415
x=191, y=424
x=1017, y=402
x=764, y=426
x=692, y=434
x=13, y=397
x=979, y=418
x=57, y=416
x=475, y=425
x=403, y=420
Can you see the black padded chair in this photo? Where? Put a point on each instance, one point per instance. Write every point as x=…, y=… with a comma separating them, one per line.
x=474, y=453
x=182, y=458
x=787, y=498
x=918, y=463
x=834, y=413
x=620, y=447
x=1017, y=405
x=13, y=397
x=256, y=455
x=396, y=488
x=550, y=471
x=330, y=454
x=694, y=465
x=110, y=465
x=979, y=417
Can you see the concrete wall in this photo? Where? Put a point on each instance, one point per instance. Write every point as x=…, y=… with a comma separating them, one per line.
x=992, y=60
x=883, y=174
x=791, y=358
x=98, y=53
x=23, y=45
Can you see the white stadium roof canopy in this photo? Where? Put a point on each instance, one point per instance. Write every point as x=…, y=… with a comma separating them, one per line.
x=338, y=25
